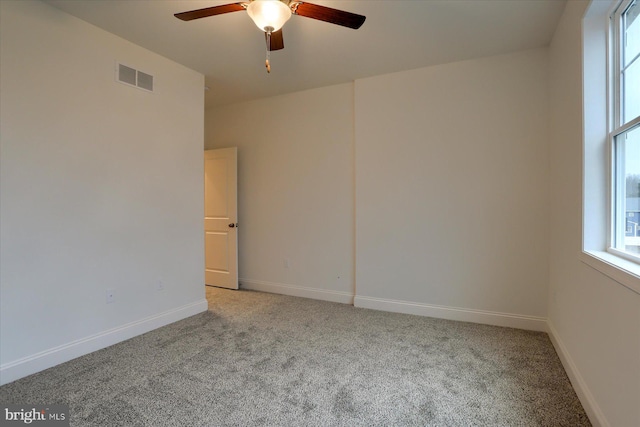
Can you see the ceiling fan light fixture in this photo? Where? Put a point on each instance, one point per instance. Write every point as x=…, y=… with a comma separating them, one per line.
x=269, y=15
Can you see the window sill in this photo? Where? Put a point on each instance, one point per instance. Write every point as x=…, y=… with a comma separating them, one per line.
x=625, y=272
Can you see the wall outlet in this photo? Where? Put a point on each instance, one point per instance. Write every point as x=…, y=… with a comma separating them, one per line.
x=159, y=285
x=110, y=296
x=286, y=263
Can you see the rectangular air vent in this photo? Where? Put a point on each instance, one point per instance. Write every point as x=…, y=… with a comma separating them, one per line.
x=131, y=76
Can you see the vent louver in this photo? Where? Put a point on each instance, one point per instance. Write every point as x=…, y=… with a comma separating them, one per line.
x=131, y=76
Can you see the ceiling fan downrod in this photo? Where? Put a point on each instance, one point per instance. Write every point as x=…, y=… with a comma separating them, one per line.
x=267, y=63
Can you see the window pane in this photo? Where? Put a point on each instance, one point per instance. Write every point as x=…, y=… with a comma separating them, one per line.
x=628, y=191
x=631, y=63
x=631, y=32
x=631, y=95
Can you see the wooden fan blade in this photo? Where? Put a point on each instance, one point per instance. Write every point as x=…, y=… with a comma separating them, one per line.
x=327, y=14
x=210, y=11
x=277, y=41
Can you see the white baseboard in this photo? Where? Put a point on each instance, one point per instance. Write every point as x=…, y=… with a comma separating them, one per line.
x=589, y=404
x=454, y=313
x=46, y=359
x=297, y=291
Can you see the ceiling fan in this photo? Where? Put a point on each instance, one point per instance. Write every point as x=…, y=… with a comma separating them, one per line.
x=271, y=15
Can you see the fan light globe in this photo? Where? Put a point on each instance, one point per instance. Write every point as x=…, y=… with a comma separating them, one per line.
x=269, y=15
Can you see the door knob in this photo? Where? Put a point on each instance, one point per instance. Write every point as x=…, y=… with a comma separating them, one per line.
x=233, y=225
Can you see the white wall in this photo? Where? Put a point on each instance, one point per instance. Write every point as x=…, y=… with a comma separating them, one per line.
x=452, y=190
x=101, y=187
x=451, y=198
x=295, y=190
x=594, y=321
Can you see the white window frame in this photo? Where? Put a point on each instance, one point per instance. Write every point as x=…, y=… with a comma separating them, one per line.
x=598, y=121
x=616, y=127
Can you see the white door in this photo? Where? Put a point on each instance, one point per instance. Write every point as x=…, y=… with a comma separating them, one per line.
x=220, y=218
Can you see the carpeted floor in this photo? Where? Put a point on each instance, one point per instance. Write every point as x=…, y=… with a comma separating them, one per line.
x=273, y=360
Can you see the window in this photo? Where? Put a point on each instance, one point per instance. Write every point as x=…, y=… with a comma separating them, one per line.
x=609, y=34
x=625, y=134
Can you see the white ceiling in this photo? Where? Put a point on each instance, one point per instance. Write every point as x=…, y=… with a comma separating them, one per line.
x=397, y=35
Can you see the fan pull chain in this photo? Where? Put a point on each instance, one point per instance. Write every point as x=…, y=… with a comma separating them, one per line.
x=266, y=63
